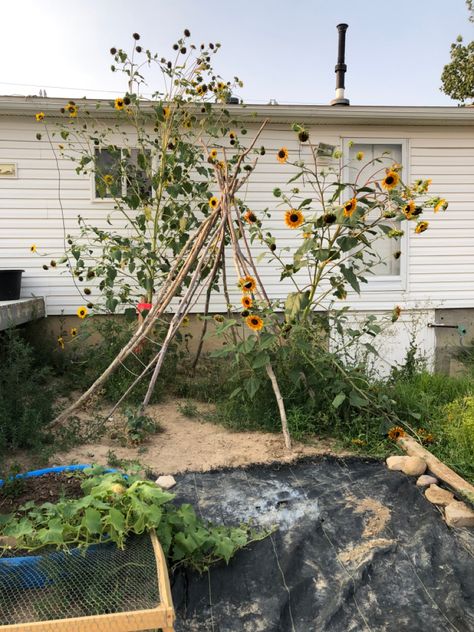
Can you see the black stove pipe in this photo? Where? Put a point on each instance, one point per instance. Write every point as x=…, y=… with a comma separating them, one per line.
x=341, y=66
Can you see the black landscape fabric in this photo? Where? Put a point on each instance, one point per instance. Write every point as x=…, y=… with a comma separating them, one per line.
x=357, y=548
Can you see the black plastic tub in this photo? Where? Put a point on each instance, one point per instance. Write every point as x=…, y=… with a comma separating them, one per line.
x=10, y=284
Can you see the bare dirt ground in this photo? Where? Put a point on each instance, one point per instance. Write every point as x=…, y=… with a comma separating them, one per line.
x=191, y=444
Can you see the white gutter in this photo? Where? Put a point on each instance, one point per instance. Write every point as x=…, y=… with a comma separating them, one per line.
x=322, y=114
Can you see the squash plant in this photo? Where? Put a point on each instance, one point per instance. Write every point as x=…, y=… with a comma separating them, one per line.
x=113, y=507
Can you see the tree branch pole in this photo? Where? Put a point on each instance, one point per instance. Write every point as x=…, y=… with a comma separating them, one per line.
x=281, y=405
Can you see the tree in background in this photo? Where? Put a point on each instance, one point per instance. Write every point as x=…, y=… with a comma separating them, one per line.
x=458, y=76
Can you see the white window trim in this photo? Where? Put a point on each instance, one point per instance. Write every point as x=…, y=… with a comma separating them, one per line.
x=105, y=200
x=381, y=283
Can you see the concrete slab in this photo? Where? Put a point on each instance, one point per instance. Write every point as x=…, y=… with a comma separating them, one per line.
x=23, y=310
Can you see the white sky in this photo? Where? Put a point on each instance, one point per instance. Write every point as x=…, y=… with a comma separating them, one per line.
x=282, y=49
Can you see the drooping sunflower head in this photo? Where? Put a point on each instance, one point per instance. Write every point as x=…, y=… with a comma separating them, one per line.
x=213, y=202
x=71, y=107
x=254, y=322
x=119, y=103
x=61, y=342
x=396, y=433
x=421, y=227
x=329, y=218
x=246, y=302
x=409, y=209
x=213, y=154
x=350, y=207
x=73, y=332
x=39, y=116
x=294, y=218
x=108, y=179
x=33, y=248
x=303, y=136
x=250, y=217
x=166, y=111
x=82, y=312
x=441, y=205
x=247, y=284
x=391, y=180
x=282, y=155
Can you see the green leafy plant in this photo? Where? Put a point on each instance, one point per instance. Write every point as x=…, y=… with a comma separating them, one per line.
x=188, y=409
x=26, y=394
x=114, y=507
x=139, y=426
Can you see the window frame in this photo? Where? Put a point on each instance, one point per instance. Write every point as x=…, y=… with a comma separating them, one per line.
x=92, y=182
x=382, y=283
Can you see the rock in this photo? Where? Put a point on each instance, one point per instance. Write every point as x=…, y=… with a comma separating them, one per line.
x=165, y=482
x=410, y=465
x=425, y=480
x=439, y=496
x=458, y=514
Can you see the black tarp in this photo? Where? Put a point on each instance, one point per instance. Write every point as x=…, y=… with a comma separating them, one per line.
x=358, y=548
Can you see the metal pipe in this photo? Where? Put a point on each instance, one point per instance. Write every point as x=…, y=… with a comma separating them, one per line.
x=341, y=66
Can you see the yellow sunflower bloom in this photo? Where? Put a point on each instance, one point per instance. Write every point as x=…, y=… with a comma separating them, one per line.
x=232, y=135
x=391, y=180
x=82, y=312
x=247, y=284
x=39, y=116
x=421, y=227
x=73, y=332
x=246, y=302
x=441, y=205
x=108, y=179
x=33, y=248
x=213, y=154
x=61, y=342
x=350, y=207
x=294, y=218
x=119, y=103
x=254, y=322
x=250, y=217
x=166, y=112
x=396, y=433
x=213, y=202
x=409, y=209
x=282, y=155
x=72, y=108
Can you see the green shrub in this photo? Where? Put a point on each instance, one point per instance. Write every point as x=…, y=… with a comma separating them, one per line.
x=26, y=394
x=456, y=435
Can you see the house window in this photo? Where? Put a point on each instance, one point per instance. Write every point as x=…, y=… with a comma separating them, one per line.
x=363, y=170
x=121, y=172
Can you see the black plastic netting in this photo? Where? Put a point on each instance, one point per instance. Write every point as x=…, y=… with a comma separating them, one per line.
x=101, y=580
x=358, y=548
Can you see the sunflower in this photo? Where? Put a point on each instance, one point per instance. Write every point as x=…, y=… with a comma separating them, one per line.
x=396, y=433
x=254, y=322
x=71, y=107
x=213, y=154
x=39, y=116
x=409, y=209
x=185, y=321
x=303, y=136
x=391, y=180
x=61, y=342
x=307, y=235
x=294, y=218
x=232, y=135
x=218, y=318
x=282, y=155
x=247, y=284
x=246, y=302
x=119, y=103
x=421, y=227
x=73, y=332
x=213, y=202
x=250, y=217
x=350, y=207
x=33, y=248
x=441, y=205
x=360, y=155
x=82, y=312
x=166, y=112
x=108, y=179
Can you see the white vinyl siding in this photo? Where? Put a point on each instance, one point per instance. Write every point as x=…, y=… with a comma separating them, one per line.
x=439, y=263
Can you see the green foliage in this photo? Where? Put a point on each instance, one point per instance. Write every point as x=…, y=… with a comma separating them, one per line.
x=139, y=426
x=458, y=76
x=26, y=394
x=113, y=507
x=188, y=409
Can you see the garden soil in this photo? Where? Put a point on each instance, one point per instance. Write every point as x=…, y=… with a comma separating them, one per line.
x=191, y=444
x=356, y=548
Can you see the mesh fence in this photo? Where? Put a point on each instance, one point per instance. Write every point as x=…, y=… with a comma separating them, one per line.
x=103, y=580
